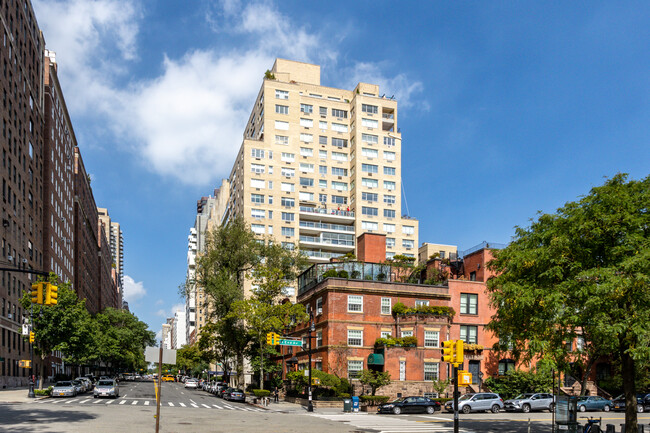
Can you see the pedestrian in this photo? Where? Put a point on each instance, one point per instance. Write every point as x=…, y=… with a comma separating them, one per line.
x=275, y=394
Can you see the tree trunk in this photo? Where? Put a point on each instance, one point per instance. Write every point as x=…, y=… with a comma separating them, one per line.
x=261, y=364
x=629, y=388
x=585, y=375
x=42, y=373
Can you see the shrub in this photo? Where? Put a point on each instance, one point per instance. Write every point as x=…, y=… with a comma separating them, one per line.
x=355, y=275
x=343, y=273
x=381, y=277
x=344, y=395
x=42, y=392
x=400, y=341
x=261, y=392
x=374, y=400
x=368, y=277
x=343, y=388
x=399, y=309
x=330, y=273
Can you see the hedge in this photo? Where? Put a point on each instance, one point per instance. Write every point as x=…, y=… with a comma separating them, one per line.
x=373, y=400
x=261, y=392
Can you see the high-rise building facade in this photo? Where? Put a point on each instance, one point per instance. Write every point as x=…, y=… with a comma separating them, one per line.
x=114, y=256
x=319, y=166
x=179, y=333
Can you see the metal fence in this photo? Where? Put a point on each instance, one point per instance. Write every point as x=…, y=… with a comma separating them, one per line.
x=350, y=270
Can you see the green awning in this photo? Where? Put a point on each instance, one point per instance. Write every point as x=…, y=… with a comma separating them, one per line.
x=375, y=359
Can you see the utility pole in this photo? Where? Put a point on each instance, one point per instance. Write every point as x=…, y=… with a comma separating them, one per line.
x=31, y=393
x=159, y=396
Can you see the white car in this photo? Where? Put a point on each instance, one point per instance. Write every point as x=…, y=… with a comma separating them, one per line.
x=192, y=383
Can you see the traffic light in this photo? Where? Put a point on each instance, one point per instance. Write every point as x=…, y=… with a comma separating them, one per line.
x=272, y=339
x=448, y=354
x=460, y=352
x=31, y=337
x=37, y=293
x=51, y=293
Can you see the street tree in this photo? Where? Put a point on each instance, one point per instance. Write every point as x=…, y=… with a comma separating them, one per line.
x=374, y=379
x=580, y=274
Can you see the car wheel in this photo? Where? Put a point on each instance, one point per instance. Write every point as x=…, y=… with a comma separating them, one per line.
x=640, y=408
x=551, y=407
x=582, y=408
x=496, y=408
x=466, y=409
x=606, y=408
x=431, y=409
x=397, y=410
x=525, y=408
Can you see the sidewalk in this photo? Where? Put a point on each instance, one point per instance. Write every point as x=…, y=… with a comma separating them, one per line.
x=15, y=395
x=286, y=407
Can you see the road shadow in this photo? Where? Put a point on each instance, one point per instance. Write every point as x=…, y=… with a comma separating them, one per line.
x=22, y=418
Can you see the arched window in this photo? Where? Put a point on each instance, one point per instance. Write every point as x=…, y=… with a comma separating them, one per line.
x=505, y=365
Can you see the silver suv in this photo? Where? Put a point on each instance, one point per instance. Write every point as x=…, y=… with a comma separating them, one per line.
x=482, y=401
x=531, y=401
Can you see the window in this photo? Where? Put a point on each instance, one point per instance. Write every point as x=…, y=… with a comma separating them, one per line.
x=407, y=334
x=390, y=242
x=506, y=365
x=468, y=303
x=283, y=126
x=307, y=123
x=322, y=154
x=389, y=171
x=369, y=196
x=288, y=172
x=339, y=113
x=288, y=202
x=408, y=230
x=370, y=211
x=389, y=228
x=288, y=157
x=431, y=370
x=258, y=183
x=257, y=198
x=386, y=306
x=339, y=127
x=307, y=109
x=369, y=225
x=355, y=303
x=369, y=123
x=307, y=138
x=288, y=246
x=365, y=108
x=257, y=153
x=338, y=156
x=281, y=94
x=322, y=111
x=287, y=187
x=338, y=171
x=288, y=231
x=288, y=216
x=469, y=334
x=281, y=109
x=355, y=337
x=257, y=229
x=389, y=199
x=385, y=334
x=407, y=243
x=369, y=138
x=306, y=151
x=389, y=156
x=257, y=168
x=306, y=168
x=322, y=183
x=319, y=306
x=389, y=141
x=322, y=198
x=369, y=153
x=306, y=181
x=354, y=368
x=306, y=196
x=431, y=338
x=319, y=339
x=389, y=185
x=258, y=213
x=339, y=186
x=370, y=183
x=282, y=139
x=339, y=142
x=389, y=213
x=338, y=199
x=472, y=276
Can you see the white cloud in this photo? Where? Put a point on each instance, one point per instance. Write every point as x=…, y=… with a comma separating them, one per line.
x=170, y=313
x=132, y=290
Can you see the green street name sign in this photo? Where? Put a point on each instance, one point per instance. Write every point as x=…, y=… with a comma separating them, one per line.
x=285, y=342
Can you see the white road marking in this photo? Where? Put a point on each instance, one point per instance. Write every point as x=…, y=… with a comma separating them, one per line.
x=110, y=401
x=83, y=401
x=218, y=407
x=96, y=401
x=124, y=396
x=70, y=401
x=387, y=424
x=182, y=404
x=170, y=403
x=56, y=401
x=134, y=402
x=123, y=401
x=205, y=405
x=146, y=403
x=194, y=405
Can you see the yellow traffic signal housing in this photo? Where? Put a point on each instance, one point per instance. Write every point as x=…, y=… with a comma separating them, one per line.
x=448, y=354
x=24, y=363
x=272, y=339
x=315, y=381
x=464, y=378
x=37, y=293
x=460, y=352
x=51, y=294
x=32, y=338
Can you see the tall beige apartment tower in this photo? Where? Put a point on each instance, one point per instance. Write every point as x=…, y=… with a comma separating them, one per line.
x=319, y=166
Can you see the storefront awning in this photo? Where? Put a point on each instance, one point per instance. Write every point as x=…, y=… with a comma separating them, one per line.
x=375, y=359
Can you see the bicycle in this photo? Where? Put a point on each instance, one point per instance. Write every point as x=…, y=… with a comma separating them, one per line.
x=592, y=426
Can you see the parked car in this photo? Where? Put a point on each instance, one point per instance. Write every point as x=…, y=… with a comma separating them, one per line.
x=221, y=388
x=481, y=401
x=595, y=402
x=530, y=401
x=79, y=386
x=88, y=385
x=106, y=388
x=64, y=388
x=192, y=383
x=234, y=394
x=642, y=403
x=410, y=405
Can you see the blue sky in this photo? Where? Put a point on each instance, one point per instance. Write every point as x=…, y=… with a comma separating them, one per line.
x=506, y=108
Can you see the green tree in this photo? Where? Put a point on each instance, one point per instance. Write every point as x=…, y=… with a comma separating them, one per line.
x=440, y=386
x=374, y=379
x=581, y=272
x=517, y=382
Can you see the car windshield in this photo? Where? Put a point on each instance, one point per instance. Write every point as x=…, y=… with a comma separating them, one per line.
x=105, y=383
x=63, y=384
x=465, y=397
x=398, y=400
x=523, y=396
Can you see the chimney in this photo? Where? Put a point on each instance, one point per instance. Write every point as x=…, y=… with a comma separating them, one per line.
x=371, y=248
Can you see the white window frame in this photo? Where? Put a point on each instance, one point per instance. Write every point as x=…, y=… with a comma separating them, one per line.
x=355, y=303
x=386, y=306
x=431, y=339
x=353, y=336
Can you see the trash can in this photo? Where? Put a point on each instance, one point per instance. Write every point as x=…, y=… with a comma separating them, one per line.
x=347, y=405
x=355, y=404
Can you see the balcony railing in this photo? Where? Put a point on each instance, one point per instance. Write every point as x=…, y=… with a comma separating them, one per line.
x=326, y=241
x=325, y=226
x=324, y=211
x=321, y=254
x=349, y=270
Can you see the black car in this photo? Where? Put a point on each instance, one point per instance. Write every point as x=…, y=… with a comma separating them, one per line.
x=642, y=403
x=410, y=405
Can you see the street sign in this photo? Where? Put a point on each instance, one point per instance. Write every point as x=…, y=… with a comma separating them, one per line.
x=25, y=329
x=152, y=354
x=287, y=342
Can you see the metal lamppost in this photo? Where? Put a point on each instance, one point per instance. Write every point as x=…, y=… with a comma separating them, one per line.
x=31, y=393
x=312, y=327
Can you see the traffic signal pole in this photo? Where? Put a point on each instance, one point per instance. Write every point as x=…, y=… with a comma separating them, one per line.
x=455, y=398
x=31, y=393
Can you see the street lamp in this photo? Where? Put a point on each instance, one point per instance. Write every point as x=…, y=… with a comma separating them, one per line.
x=312, y=328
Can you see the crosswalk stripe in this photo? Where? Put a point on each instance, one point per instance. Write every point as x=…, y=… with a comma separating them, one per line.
x=146, y=403
x=96, y=401
x=218, y=407
x=205, y=405
x=194, y=405
x=123, y=401
x=70, y=401
x=109, y=401
x=56, y=401
x=84, y=401
x=182, y=404
x=134, y=402
x=170, y=403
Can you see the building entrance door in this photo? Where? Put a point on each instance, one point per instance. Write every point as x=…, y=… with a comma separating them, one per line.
x=402, y=370
x=474, y=368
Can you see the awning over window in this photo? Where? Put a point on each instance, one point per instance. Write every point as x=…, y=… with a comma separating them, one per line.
x=375, y=359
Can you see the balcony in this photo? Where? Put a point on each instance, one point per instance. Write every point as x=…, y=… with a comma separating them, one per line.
x=320, y=256
x=326, y=215
x=315, y=227
x=339, y=245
